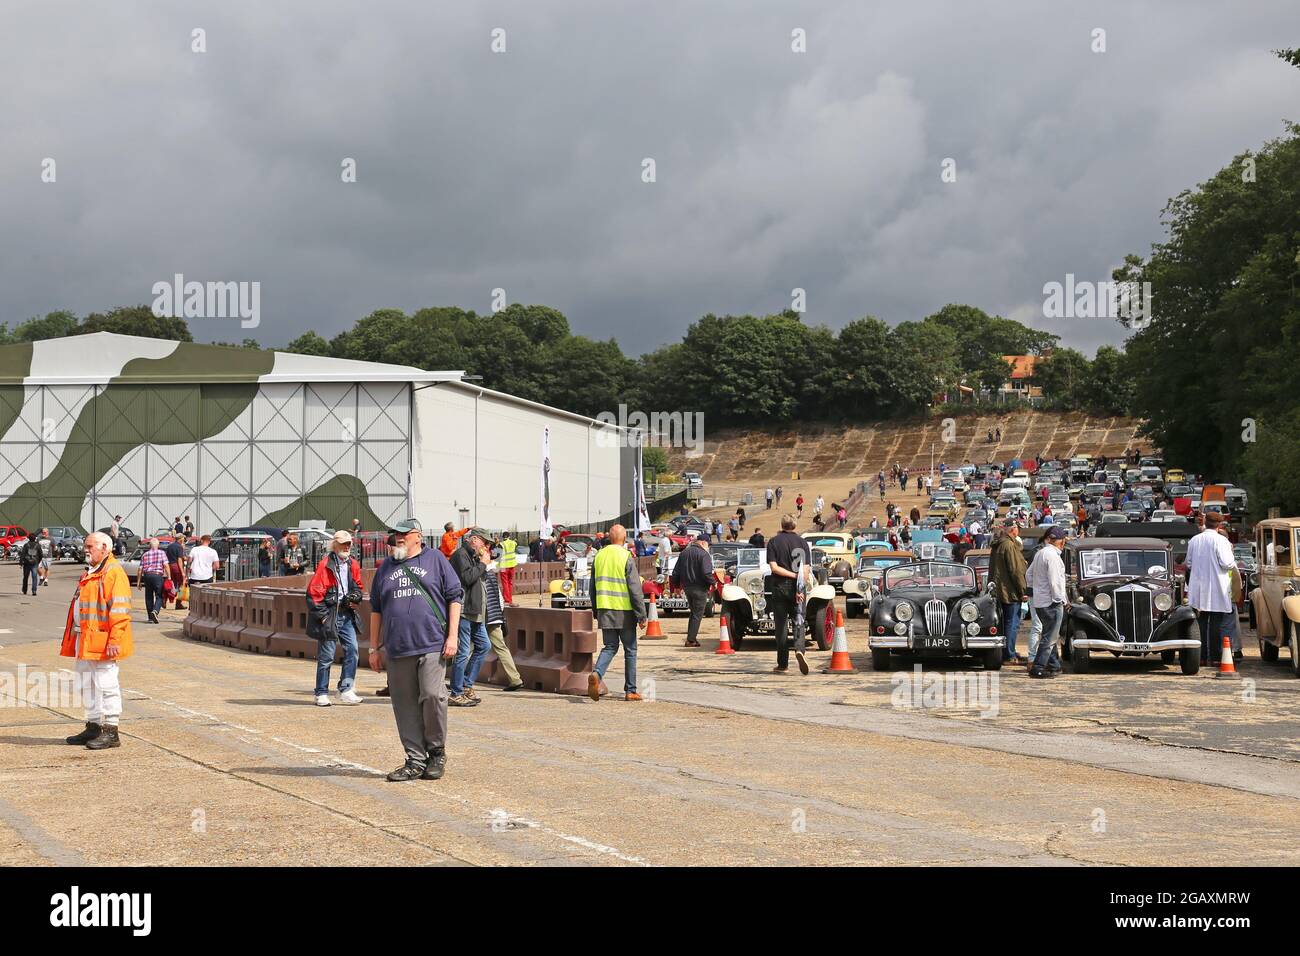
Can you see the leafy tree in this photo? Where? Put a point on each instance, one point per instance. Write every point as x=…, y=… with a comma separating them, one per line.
x=924, y=361
x=54, y=325
x=309, y=343
x=1221, y=346
x=862, y=354
x=1063, y=377
x=1270, y=466
x=136, y=320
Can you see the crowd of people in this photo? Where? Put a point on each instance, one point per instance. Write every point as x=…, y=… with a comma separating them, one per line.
x=435, y=612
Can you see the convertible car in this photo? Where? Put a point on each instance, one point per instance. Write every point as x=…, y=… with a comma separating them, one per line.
x=747, y=601
x=932, y=609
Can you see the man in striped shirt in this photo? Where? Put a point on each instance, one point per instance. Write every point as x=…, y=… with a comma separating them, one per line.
x=153, y=569
x=495, y=618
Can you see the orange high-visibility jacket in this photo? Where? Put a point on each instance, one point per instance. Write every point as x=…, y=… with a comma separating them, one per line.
x=102, y=609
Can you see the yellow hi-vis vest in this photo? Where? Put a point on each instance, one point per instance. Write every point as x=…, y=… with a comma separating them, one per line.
x=610, y=571
x=508, y=559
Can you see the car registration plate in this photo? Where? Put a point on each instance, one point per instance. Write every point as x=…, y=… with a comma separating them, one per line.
x=937, y=643
x=1139, y=647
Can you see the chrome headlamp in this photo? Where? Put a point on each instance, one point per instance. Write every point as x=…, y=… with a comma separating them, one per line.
x=903, y=611
x=1163, y=602
x=1101, y=601
x=969, y=612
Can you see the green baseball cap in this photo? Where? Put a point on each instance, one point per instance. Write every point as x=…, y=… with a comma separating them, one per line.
x=407, y=525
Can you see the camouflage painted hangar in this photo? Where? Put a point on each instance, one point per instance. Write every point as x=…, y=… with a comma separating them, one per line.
x=99, y=425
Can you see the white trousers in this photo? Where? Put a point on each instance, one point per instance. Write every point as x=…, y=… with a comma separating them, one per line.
x=101, y=691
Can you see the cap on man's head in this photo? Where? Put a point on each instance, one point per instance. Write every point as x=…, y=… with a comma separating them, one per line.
x=342, y=537
x=1009, y=523
x=1057, y=533
x=406, y=525
x=1214, y=518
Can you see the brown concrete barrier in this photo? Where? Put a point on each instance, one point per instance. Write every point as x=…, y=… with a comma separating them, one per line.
x=289, y=626
x=256, y=635
x=205, y=613
x=231, y=606
x=553, y=649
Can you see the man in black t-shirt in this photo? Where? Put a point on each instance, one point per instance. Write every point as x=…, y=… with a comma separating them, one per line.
x=786, y=552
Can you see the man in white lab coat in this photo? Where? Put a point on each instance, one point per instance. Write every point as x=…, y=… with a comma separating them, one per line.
x=1209, y=591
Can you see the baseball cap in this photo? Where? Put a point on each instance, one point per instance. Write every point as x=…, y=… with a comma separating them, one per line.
x=1009, y=523
x=342, y=537
x=406, y=525
x=1057, y=533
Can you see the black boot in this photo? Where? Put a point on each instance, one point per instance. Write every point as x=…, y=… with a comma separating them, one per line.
x=436, y=765
x=90, y=733
x=107, y=738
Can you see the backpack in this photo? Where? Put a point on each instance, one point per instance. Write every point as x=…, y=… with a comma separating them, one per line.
x=31, y=551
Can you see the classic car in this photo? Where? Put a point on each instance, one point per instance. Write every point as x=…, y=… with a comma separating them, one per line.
x=573, y=591
x=861, y=588
x=670, y=599
x=69, y=542
x=1275, y=599
x=874, y=539
x=928, y=544
x=1175, y=475
x=945, y=508
x=1124, y=598
x=977, y=559
x=838, y=553
x=747, y=602
x=933, y=609
x=1080, y=469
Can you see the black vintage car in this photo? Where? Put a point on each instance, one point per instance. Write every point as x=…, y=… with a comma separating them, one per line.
x=931, y=609
x=1123, y=598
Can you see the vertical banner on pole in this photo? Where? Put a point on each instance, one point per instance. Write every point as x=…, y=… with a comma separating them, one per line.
x=641, y=515
x=546, y=528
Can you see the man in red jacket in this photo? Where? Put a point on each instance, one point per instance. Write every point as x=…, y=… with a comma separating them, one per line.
x=336, y=589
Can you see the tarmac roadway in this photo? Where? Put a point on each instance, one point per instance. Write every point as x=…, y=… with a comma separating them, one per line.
x=225, y=760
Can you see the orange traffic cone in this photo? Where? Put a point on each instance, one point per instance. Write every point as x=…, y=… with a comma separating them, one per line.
x=840, y=663
x=1226, y=667
x=724, y=637
x=653, y=631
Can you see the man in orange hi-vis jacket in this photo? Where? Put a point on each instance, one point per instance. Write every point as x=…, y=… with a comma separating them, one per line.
x=98, y=635
x=450, y=539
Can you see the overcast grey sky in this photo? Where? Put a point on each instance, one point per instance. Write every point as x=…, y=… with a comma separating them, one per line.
x=523, y=170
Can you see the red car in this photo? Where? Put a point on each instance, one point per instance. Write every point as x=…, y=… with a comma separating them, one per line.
x=9, y=533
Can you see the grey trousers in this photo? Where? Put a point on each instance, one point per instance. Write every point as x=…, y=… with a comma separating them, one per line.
x=418, y=689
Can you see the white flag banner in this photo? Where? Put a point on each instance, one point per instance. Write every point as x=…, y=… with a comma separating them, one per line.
x=641, y=515
x=547, y=528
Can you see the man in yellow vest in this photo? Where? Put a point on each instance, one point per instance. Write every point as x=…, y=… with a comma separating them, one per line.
x=506, y=567
x=620, y=610
x=98, y=636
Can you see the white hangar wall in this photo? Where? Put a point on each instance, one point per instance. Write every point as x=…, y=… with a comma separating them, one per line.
x=482, y=450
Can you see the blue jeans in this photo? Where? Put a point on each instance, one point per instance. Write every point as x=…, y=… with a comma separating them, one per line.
x=465, y=670
x=153, y=593
x=325, y=657
x=1010, y=627
x=36, y=581
x=1047, y=659
x=613, y=637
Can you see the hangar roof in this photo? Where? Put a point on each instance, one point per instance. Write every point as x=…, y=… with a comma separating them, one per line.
x=103, y=357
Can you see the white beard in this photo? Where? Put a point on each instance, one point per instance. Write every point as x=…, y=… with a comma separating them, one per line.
x=399, y=552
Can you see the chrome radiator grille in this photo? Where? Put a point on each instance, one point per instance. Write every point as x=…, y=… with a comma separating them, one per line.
x=936, y=617
x=1133, y=619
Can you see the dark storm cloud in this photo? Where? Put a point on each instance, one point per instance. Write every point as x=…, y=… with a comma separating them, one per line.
x=522, y=170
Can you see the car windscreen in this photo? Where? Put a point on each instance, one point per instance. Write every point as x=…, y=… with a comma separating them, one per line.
x=815, y=542
x=1101, y=562
x=748, y=559
x=930, y=574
